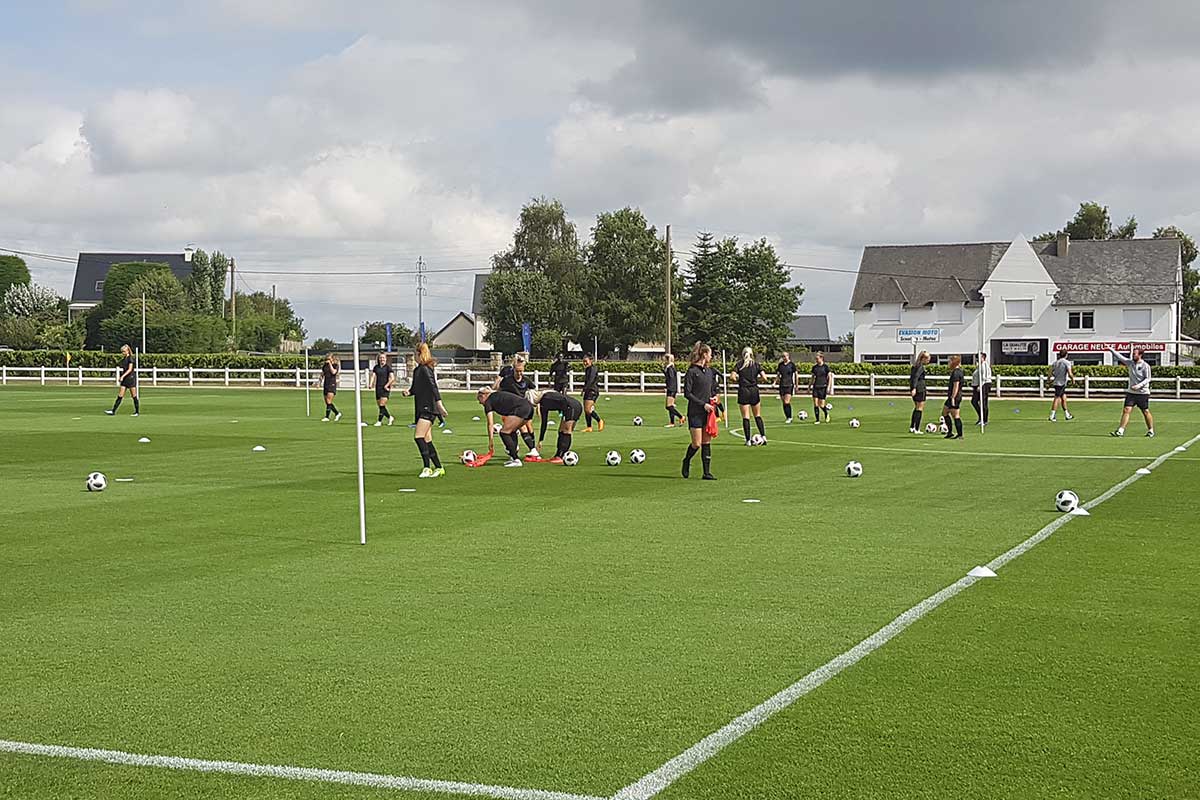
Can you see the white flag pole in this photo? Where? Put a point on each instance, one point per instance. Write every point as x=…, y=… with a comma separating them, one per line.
x=725, y=384
x=307, y=386
x=362, y=500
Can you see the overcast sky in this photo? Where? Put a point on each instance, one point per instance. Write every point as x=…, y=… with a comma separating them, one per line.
x=327, y=136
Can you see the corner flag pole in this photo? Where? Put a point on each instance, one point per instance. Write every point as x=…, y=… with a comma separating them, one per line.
x=725, y=384
x=362, y=500
x=307, y=386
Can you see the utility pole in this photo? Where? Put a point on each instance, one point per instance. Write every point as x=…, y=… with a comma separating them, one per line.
x=233, y=298
x=668, y=306
x=143, y=322
x=272, y=301
x=421, y=292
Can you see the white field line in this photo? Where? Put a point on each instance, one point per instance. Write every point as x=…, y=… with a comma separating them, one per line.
x=288, y=773
x=932, y=452
x=654, y=782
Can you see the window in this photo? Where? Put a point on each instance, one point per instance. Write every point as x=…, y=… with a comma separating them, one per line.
x=1018, y=311
x=1081, y=320
x=948, y=312
x=99, y=286
x=887, y=313
x=1135, y=319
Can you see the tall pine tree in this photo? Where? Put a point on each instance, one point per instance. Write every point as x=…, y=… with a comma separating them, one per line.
x=199, y=285
x=220, y=268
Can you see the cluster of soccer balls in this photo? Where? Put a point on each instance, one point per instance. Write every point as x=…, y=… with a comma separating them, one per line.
x=933, y=427
x=613, y=458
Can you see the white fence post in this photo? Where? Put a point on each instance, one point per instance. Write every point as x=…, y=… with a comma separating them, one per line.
x=642, y=382
x=262, y=376
x=81, y=376
x=1041, y=386
x=4, y=375
x=154, y=375
x=872, y=384
x=297, y=377
x=999, y=385
x=468, y=380
x=191, y=377
x=227, y=376
x=571, y=382
x=1087, y=386
x=43, y=375
x=606, y=383
x=1178, y=387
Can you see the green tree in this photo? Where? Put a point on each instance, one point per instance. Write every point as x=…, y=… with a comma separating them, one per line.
x=706, y=308
x=765, y=304
x=279, y=309
x=513, y=297
x=1191, y=277
x=1092, y=221
x=546, y=243
x=59, y=336
x=625, y=280
x=19, y=333
x=116, y=291
x=181, y=332
x=402, y=335
x=199, y=285
x=545, y=343
x=31, y=301
x=218, y=269
x=12, y=270
x=162, y=291
x=324, y=345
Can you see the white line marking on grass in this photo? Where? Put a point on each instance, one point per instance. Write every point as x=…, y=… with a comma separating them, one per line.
x=287, y=773
x=654, y=782
x=936, y=452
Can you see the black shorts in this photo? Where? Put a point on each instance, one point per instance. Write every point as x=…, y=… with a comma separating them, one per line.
x=573, y=412
x=591, y=394
x=129, y=383
x=382, y=394
x=954, y=402
x=697, y=419
x=330, y=389
x=820, y=392
x=1060, y=391
x=748, y=397
x=426, y=414
x=1133, y=400
x=672, y=392
x=785, y=389
x=919, y=397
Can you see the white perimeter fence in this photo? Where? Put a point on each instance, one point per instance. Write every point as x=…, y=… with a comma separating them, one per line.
x=462, y=379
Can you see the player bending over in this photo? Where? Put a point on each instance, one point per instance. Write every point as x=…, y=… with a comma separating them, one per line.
x=1061, y=374
x=571, y=411
x=748, y=372
x=785, y=373
x=427, y=404
x=952, y=410
x=671, y=376
x=514, y=413
x=822, y=379
x=383, y=378
x=329, y=383
x=702, y=399
x=126, y=379
x=591, y=393
x=1138, y=391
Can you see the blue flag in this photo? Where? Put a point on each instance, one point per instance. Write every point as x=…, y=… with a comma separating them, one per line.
x=388, y=329
x=422, y=326
x=526, y=336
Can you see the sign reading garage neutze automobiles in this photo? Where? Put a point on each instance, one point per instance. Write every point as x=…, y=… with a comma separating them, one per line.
x=916, y=335
x=1099, y=347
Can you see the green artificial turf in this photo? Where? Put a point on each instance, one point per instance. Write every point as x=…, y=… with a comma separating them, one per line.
x=573, y=628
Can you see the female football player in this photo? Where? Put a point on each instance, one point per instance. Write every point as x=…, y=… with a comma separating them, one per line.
x=427, y=403
x=329, y=381
x=514, y=412
x=383, y=378
x=785, y=373
x=701, y=397
x=748, y=372
x=591, y=393
x=916, y=388
x=571, y=411
x=126, y=380
x=671, y=376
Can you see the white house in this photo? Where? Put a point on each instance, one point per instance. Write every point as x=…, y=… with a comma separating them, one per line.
x=464, y=330
x=1019, y=302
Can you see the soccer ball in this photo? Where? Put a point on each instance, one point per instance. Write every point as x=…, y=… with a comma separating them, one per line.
x=613, y=458
x=497, y=428
x=854, y=470
x=570, y=458
x=96, y=482
x=829, y=406
x=468, y=457
x=758, y=440
x=1066, y=501
x=637, y=421
x=854, y=423
x=637, y=456
x=943, y=428
x=931, y=428
x=803, y=415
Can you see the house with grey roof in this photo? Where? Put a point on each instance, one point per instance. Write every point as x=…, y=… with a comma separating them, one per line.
x=1020, y=301
x=811, y=332
x=92, y=268
x=467, y=330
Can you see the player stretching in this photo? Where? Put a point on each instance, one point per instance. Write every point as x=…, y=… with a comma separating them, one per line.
x=591, y=393
x=383, y=378
x=748, y=373
x=1138, y=391
x=916, y=388
x=1062, y=373
x=785, y=373
x=514, y=381
x=671, y=376
x=822, y=380
x=952, y=410
x=570, y=409
x=427, y=403
x=560, y=372
x=127, y=379
x=514, y=412
x=329, y=381
x=701, y=396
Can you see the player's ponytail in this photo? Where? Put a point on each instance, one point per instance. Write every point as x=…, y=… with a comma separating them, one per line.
x=700, y=351
x=747, y=357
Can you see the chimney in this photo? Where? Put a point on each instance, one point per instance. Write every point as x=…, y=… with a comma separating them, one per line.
x=188, y=252
x=1064, y=244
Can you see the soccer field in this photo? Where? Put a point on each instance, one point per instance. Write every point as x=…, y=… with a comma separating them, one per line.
x=551, y=631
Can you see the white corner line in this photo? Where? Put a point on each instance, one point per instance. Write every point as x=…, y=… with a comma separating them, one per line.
x=654, y=782
x=287, y=773
x=957, y=452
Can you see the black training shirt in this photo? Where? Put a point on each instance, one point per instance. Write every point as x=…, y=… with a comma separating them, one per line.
x=698, y=387
x=820, y=376
x=955, y=375
x=787, y=373
x=507, y=404
x=748, y=375
x=591, y=378
x=513, y=385
x=383, y=374
x=916, y=378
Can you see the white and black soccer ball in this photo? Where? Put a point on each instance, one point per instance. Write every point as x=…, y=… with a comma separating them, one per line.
x=943, y=428
x=931, y=428
x=468, y=457
x=637, y=422
x=1066, y=501
x=96, y=482
x=637, y=456
x=854, y=470
x=570, y=458
x=758, y=440
x=613, y=458
x=854, y=423
x=497, y=428
x=829, y=406
x=802, y=414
